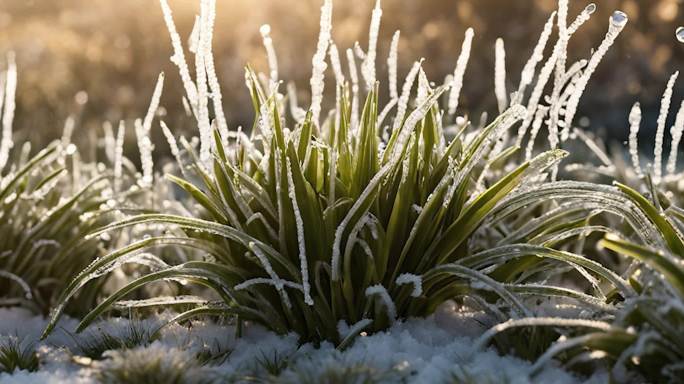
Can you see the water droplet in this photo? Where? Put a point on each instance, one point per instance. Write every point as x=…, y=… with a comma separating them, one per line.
x=619, y=19
x=680, y=34
x=591, y=8
x=265, y=30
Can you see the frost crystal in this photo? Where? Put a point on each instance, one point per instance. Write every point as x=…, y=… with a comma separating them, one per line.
x=405, y=95
x=301, y=241
x=154, y=103
x=178, y=57
x=617, y=23
x=173, y=145
x=634, y=122
x=265, y=31
x=368, y=64
x=384, y=296
x=336, y=65
x=660, y=131
x=318, y=61
x=145, y=147
x=355, y=90
x=459, y=72
x=392, y=65
x=202, y=92
x=118, y=155
x=216, y=97
x=415, y=280
x=676, y=133
x=537, y=55
x=8, y=112
x=500, y=75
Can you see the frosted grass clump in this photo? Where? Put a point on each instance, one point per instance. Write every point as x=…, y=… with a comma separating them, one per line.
x=308, y=223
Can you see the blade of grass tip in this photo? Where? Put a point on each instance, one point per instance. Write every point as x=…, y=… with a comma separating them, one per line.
x=484, y=339
x=655, y=258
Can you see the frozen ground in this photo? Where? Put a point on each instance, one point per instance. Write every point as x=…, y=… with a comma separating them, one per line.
x=433, y=350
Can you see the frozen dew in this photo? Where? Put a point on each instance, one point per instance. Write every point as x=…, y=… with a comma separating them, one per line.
x=618, y=19
x=679, y=33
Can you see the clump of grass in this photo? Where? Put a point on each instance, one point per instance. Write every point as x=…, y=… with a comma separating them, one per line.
x=46, y=212
x=356, y=222
x=155, y=364
x=97, y=342
x=15, y=354
x=338, y=224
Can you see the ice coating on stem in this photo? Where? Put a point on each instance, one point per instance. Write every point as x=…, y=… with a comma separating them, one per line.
x=676, y=133
x=278, y=282
x=384, y=296
x=351, y=63
x=118, y=155
x=21, y=282
x=415, y=280
x=202, y=92
x=145, y=147
x=500, y=75
x=617, y=22
x=8, y=113
x=582, y=18
x=392, y=65
x=173, y=145
x=178, y=57
x=301, y=241
x=634, y=122
x=265, y=31
x=459, y=71
x=214, y=86
x=336, y=65
x=318, y=61
x=402, y=105
x=368, y=64
x=536, y=125
x=336, y=251
x=530, y=67
x=660, y=130
x=154, y=103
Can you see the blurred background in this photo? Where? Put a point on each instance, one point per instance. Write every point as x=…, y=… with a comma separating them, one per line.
x=99, y=59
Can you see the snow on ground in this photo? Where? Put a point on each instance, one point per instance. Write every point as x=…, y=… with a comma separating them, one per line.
x=433, y=350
